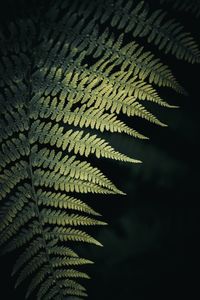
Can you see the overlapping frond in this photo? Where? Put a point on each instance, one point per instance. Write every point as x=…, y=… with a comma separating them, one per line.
x=167, y=34
x=89, y=39
x=189, y=6
x=66, y=78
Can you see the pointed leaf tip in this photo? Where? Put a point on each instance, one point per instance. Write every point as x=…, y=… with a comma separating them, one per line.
x=136, y=161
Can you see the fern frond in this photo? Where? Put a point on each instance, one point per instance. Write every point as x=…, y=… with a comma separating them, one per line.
x=51, y=294
x=47, y=133
x=15, y=204
x=70, y=167
x=31, y=267
x=65, y=80
x=144, y=64
x=67, y=283
x=44, y=288
x=62, y=183
x=126, y=82
x=21, y=219
x=50, y=282
x=30, y=251
x=13, y=123
x=71, y=234
x=133, y=108
x=82, y=117
x=61, y=218
x=61, y=262
x=101, y=85
x=59, y=200
x=74, y=292
x=189, y=6
x=71, y=284
x=37, y=279
x=24, y=236
x=70, y=273
x=137, y=88
x=62, y=251
x=13, y=149
x=167, y=35
x=11, y=177
x=12, y=99
x=106, y=95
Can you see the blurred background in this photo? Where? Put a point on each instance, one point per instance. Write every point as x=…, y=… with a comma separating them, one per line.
x=151, y=246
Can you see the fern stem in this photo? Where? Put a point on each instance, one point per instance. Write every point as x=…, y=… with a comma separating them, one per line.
x=34, y=194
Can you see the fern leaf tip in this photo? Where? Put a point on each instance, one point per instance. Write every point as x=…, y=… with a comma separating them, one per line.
x=173, y=106
x=97, y=243
x=163, y=124
x=145, y=138
x=123, y=194
x=103, y=223
x=137, y=161
x=119, y=192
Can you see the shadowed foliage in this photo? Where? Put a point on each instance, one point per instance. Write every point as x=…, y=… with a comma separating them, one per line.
x=71, y=74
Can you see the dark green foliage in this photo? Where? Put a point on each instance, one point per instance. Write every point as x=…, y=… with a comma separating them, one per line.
x=67, y=75
x=188, y=6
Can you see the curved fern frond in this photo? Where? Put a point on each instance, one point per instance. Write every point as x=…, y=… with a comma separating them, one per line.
x=59, y=200
x=66, y=77
x=82, y=117
x=167, y=35
x=71, y=273
x=60, y=262
x=62, y=251
x=110, y=93
x=59, y=217
x=146, y=66
x=70, y=167
x=70, y=234
x=76, y=141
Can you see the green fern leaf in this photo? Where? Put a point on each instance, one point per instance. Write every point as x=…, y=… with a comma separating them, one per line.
x=67, y=75
x=33, y=266
x=70, y=234
x=59, y=200
x=61, y=218
x=31, y=251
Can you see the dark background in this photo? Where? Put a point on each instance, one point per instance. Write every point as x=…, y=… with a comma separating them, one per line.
x=151, y=246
